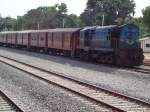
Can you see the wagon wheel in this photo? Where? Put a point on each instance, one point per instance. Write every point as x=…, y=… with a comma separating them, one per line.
x=103, y=59
x=110, y=59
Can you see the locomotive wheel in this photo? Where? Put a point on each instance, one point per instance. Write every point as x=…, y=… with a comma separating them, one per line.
x=110, y=59
x=98, y=60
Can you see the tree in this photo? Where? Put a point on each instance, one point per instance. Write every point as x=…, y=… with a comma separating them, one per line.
x=146, y=16
x=112, y=9
x=45, y=17
x=86, y=18
x=33, y=18
x=19, y=23
x=72, y=21
x=7, y=23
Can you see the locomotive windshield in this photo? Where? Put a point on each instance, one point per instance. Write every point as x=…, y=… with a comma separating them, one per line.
x=129, y=37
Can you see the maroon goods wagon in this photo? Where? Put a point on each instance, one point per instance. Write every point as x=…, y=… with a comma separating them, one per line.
x=19, y=39
x=1, y=38
x=13, y=38
x=64, y=41
x=33, y=39
x=37, y=39
x=8, y=38
x=42, y=39
x=4, y=38
x=25, y=39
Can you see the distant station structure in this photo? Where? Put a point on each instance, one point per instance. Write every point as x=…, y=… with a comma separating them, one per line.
x=145, y=44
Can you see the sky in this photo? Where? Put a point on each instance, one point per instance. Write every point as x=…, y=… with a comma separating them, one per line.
x=16, y=8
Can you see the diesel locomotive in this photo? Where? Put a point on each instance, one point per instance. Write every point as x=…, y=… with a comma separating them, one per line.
x=118, y=45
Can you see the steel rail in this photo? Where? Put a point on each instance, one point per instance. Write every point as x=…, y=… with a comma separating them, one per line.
x=8, y=104
x=141, y=70
x=82, y=83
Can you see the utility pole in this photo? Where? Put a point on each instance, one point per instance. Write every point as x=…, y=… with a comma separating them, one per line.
x=63, y=23
x=38, y=26
x=103, y=20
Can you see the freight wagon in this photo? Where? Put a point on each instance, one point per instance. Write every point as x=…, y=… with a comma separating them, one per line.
x=113, y=44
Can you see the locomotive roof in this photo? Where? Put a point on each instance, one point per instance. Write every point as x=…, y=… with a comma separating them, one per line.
x=107, y=27
x=100, y=27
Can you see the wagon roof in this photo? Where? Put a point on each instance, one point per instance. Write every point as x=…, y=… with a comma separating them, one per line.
x=66, y=29
x=46, y=30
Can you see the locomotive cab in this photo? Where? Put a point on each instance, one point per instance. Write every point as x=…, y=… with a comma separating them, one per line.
x=129, y=52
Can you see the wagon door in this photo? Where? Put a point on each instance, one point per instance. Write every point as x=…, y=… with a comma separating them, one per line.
x=34, y=39
x=25, y=39
x=19, y=38
x=50, y=39
x=42, y=39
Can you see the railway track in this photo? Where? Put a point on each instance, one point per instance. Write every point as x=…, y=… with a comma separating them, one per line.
x=144, y=69
x=6, y=105
x=147, y=64
x=100, y=96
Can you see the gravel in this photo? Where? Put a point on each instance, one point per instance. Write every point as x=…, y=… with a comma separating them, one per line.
x=126, y=82
x=38, y=96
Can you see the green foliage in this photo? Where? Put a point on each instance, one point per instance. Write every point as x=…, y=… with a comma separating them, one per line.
x=115, y=11
x=119, y=21
x=112, y=9
x=19, y=23
x=146, y=16
x=45, y=17
x=72, y=21
x=7, y=24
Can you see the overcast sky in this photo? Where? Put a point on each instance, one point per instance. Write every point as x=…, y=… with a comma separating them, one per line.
x=14, y=8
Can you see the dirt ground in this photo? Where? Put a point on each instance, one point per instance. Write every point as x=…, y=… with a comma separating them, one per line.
x=147, y=58
x=147, y=55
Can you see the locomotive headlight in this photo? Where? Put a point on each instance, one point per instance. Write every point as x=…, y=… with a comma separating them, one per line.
x=129, y=40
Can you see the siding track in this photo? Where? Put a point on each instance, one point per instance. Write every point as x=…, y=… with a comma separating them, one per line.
x=143, y=69
x=100, y=96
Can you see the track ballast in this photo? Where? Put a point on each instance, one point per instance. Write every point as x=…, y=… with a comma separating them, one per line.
x=112, y=100
x=7, y=105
